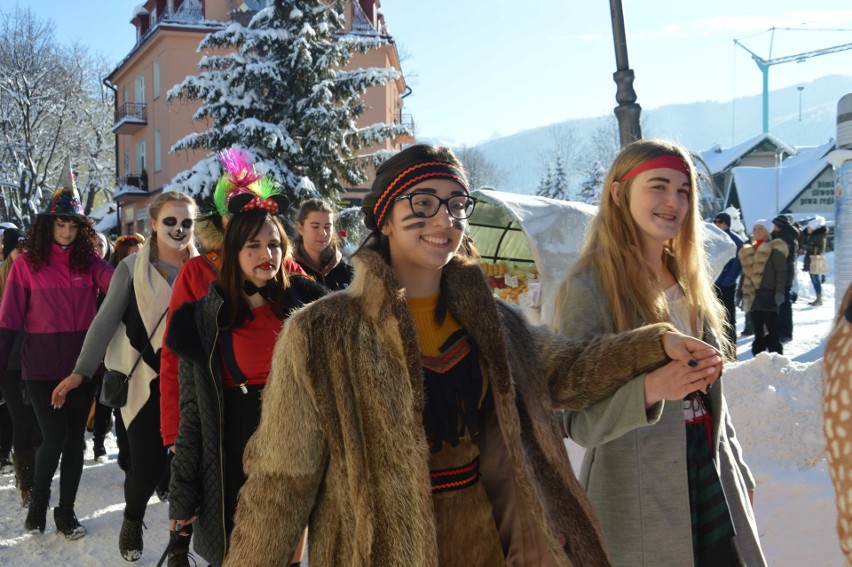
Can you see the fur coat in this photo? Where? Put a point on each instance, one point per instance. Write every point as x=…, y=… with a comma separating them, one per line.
x=764, y=275
x=341, y=445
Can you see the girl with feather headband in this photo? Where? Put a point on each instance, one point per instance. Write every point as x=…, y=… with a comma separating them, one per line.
x=224, y=342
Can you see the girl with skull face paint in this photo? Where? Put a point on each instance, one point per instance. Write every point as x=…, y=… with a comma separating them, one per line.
x=130, y=317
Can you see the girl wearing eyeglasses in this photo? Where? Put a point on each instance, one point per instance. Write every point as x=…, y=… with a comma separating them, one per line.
x=129, y=327
x=420, y=431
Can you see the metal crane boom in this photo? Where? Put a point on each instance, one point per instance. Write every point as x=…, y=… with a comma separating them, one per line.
x=765, y=64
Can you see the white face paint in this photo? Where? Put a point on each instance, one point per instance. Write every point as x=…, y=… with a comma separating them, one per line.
x=174, y=225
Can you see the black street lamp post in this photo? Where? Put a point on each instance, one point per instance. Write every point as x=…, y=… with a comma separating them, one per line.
x=627, y=112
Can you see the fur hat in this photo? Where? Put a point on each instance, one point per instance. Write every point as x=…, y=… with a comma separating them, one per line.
x=765, y=224
x=65, y=200
x=782, y=221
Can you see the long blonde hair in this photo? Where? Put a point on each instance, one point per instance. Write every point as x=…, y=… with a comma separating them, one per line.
x=612, y=249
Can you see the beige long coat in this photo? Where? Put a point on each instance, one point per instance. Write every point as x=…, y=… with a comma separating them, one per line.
x=341, y=445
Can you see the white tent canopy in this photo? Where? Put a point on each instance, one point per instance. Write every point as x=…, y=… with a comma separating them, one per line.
x=550, y=233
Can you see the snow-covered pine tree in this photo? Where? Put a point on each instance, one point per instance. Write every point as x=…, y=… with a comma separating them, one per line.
x=545, y=184
x=590, y=186
x=560, y=187
x=282, y=94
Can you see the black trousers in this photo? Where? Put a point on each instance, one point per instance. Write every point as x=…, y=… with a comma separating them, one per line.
x=6, y=431
x=785, y=317
x=146, y=456
x=727, y=295
x=64, y=432
x=26, y=434
x=242, y=414
x=766, y=336
x=103, y=414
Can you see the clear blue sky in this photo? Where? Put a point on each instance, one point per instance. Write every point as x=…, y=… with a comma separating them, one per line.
x=480, y=68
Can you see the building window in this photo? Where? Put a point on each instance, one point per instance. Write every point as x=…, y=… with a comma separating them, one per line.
x=139, y=86
x=127, y=162
x=153, y=19
x=140, y=157
x=124, y=94
x=157, y=159
x=156, y=78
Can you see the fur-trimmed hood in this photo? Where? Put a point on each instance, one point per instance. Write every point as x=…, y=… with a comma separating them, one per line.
x=341, y=444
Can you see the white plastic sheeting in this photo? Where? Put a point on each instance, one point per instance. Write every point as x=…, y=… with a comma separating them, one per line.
x=550, y=233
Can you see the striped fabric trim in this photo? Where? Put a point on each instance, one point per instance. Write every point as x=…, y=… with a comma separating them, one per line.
x=447, y=480
x=449, y=358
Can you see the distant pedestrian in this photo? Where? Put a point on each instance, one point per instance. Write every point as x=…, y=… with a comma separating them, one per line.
x=783, y=228
x=762, y=285
x=814, y=244
x=726, y=284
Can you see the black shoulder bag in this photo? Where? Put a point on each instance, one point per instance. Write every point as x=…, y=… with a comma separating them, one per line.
x=115, y=383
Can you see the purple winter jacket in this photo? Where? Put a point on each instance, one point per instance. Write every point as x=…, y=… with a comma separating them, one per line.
x=55, y=306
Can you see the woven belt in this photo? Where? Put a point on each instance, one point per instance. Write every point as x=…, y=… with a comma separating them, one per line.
x=446, y=480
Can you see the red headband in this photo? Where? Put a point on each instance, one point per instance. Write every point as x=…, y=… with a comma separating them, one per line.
x=411, y=176
x=667, y=161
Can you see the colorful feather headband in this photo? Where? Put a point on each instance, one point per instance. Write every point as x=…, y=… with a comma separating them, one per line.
x=242, y=189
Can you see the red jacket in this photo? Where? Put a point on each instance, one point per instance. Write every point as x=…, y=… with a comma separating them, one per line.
x=192, y=283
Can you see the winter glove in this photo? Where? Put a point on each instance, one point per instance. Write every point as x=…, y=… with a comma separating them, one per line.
x=779, y=299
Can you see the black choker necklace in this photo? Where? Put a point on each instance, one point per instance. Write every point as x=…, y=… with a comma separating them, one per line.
x=267, y=291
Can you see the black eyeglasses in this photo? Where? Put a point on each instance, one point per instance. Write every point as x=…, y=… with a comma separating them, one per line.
x=427, y=205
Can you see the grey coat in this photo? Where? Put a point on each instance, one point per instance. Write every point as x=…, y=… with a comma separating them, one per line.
x=634, y=467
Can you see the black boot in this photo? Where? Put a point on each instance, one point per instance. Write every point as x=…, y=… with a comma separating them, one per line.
x=24, y=467
x=37, y=514
x=130, y=539
x=99, y=450
x=179, y=554
x=67, y=524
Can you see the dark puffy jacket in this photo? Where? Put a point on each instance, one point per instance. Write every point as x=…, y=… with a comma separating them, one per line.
x=732, y=270
x=197, y=481
x=814, y=245
x=790, y=235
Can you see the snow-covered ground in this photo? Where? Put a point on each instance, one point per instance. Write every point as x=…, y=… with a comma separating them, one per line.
x=775, y=402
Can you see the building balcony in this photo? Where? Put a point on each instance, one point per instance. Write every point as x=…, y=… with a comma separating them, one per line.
x=361, y=23
x=132, y=184
x=130, y=118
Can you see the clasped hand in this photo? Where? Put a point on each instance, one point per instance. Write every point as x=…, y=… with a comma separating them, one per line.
x=694, y=367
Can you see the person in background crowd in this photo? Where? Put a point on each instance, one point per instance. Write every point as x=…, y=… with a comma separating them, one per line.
x=316, y=247
x=52, y=292
x=129, y=327
x=813, y=243
x=26, y=435
x=762, y=286
x=663, y=466
x=416, y=354
x=726, y=284
x=783, y=228
x=100, y=418
x=126, y=245
x=225, y=343
x=837, y=418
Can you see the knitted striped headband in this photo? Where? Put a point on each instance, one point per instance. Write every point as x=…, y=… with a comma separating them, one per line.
x=412, y=176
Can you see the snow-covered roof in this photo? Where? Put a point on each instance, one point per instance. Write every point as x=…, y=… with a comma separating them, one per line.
x=718, y=159
x=140, y=10
x=102, y=211
x=107, y=223
x=756, y=186
x=128, y=190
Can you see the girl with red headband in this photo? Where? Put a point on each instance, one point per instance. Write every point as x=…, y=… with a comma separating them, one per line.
x=224, y=342
x=420, y=431
x=663, y=467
